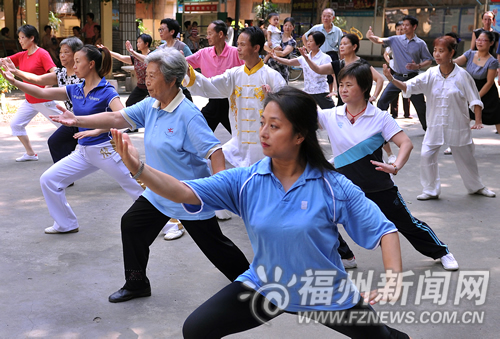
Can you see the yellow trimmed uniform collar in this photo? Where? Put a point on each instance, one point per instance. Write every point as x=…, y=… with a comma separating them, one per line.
x=254, y=69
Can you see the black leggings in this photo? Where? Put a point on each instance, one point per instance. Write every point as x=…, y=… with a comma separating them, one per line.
x=225, y=314
x=137, y=94
x=140, y=227
x=61, y=142
x=419, y=234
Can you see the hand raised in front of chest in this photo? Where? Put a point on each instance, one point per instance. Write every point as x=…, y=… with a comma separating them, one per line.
x=67, y=118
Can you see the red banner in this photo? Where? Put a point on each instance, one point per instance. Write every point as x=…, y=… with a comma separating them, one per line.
x=200, y=8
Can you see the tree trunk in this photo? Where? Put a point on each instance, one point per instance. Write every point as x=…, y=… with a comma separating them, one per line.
x=321, y=5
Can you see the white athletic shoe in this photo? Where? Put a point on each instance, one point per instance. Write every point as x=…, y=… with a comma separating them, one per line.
x=425, y=196
x=174, y=233
x=27, y=157
x=486, y=192
x=223, y=215
x=449, y=262
x=350, y=263
x=447, y=151
x=52, y=230
x=392, y=159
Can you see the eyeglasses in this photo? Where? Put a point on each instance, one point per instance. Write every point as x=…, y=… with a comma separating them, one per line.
x=161, y=30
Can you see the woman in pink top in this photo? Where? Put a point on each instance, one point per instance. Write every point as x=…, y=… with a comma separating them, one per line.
x=34, y=60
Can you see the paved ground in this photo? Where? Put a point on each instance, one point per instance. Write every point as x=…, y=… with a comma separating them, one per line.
x=56, y=286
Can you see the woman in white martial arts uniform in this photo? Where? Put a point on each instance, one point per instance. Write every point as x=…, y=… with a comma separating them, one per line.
x=94, y=95
x=450, y=92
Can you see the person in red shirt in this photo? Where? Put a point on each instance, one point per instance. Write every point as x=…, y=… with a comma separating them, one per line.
x=36, y=60
x=88, y=29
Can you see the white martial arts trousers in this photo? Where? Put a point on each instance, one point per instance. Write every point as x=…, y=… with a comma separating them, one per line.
x=26, y=112
x=466, y=165
x=80, y=163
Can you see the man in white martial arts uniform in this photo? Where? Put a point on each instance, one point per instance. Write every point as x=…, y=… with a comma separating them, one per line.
x=246, y=87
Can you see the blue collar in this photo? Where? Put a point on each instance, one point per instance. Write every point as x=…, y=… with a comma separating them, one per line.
x=264, y=168
x=102, y=83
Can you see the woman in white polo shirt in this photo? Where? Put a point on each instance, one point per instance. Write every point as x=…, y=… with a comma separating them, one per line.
x=357, y=132
x=314, y=83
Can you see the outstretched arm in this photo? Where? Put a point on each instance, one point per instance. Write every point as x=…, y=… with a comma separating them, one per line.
x=47, y=79
x=123, y=58
x=399, y=84
x=320, y=69
x=45, y=93
x=373, y=38
x=284, y=61
x=159, y=182
x=104, y=120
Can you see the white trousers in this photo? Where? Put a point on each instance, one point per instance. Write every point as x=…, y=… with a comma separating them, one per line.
x=27, y=112
x=82, y=162
x=466, y=165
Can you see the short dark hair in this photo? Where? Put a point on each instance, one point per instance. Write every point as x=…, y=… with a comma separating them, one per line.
x=47, y=26
x=29, y=31
x=90, y=15
x=413, y=21
x=78, y=29
x=195, y=23
x=490, y=12
x=172, y=25
x=4, y=31
x=146, y=38
x=301, y=110
x=354, y=39
x=399, y=23
x=187, y=23
x=318, y=37
x=272, y=14
x=290, y=20
x=220, y=26
x=457, y=37
x=98, y=27
x=362, y=73
x=256, y=36
x=229, y=19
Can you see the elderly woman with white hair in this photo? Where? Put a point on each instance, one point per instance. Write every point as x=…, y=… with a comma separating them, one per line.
x=178, y=142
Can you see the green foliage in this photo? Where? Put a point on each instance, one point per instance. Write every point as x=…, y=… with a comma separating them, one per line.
x=5, y=86
x=264, y=9
x=340, y=22
x=54, y=21
x=142, y=28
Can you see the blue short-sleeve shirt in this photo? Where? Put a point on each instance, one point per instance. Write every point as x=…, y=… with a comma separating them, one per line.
x=177, y=142
x=96, y=101
x=295, y=232
x=405, y=50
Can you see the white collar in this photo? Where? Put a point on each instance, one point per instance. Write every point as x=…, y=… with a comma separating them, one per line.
x=173, y=104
